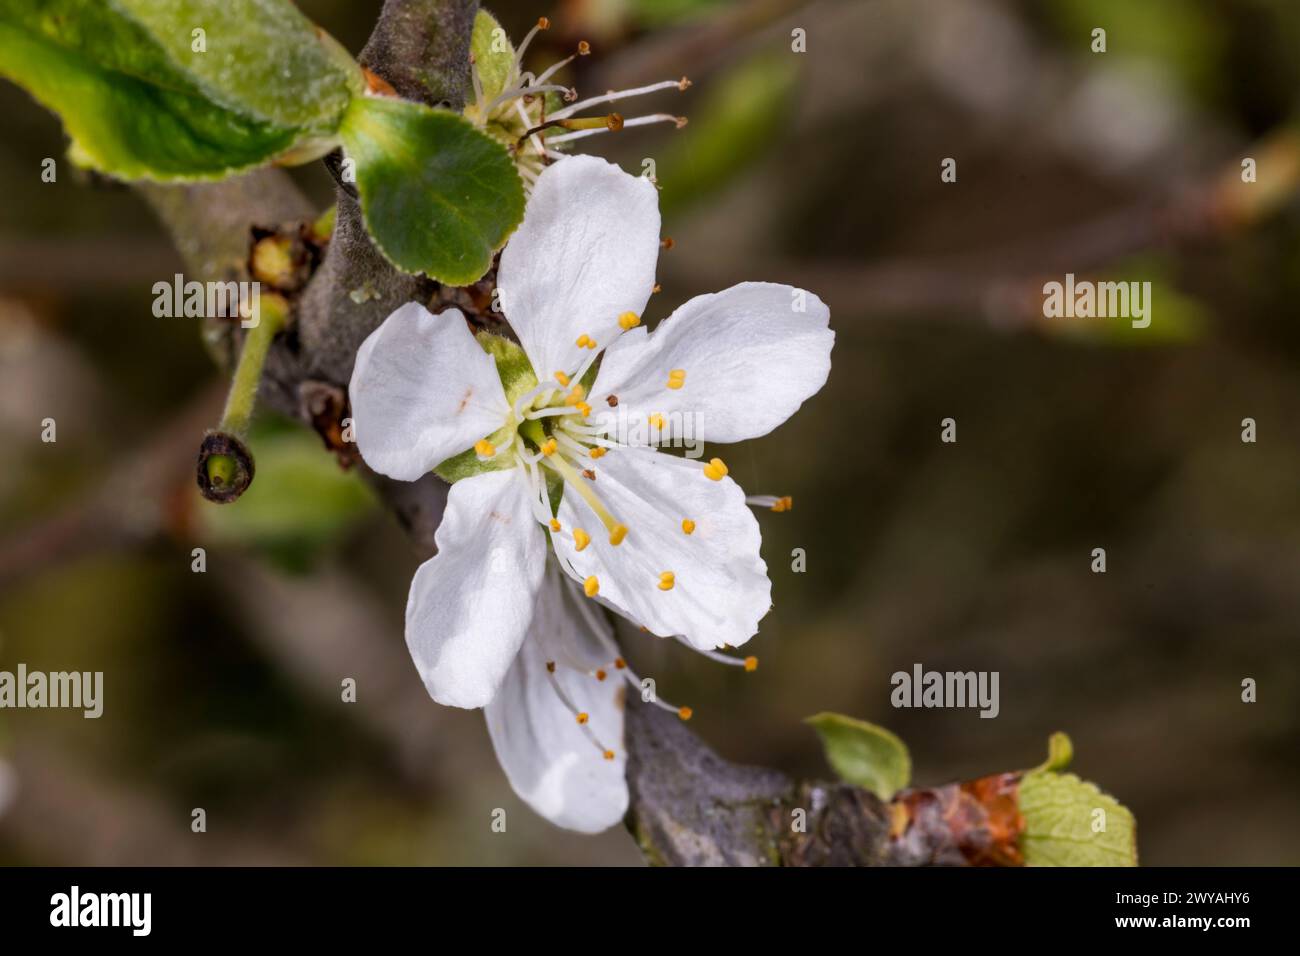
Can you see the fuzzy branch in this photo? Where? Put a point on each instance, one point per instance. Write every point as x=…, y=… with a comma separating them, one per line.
x=688, y=805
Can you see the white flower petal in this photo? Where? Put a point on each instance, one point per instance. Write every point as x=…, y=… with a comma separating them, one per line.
x=422, y=390
x=584, y=254
x=471, y=603
x=550, y=761
x=750, y=360
x=720, y=587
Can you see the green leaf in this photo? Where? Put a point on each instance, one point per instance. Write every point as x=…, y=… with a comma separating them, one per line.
x=140, y=103
x=494, y=55
x=863, y=754
x=439, y=197
x=517, y=377
x=1069, y=822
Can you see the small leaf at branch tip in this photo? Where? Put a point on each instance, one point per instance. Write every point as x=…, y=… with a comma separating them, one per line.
x=864, y=754
x=1060, y=751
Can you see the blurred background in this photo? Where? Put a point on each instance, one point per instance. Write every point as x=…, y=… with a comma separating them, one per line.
x=819, y=169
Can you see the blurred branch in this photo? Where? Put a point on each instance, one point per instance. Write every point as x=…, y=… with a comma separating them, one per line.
x=1003, y=285
x=146, y=477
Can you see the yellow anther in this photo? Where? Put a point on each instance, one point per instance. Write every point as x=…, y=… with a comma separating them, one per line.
x=597, y=452
x=548, y=447
x=666, y=581
x=715, y=470
x=484, y=448
x=591, y=586
x=583, y=409
x=684, y=713
x=582, y=718
x=555, y=524
x=609, y=755
x=783, y=504
x=677, y=378
x=580, y=540
x=629, y=320
x=601, y=675
x=618, y=533
x=575, y=396
x=582, y=340
x=562, y=378
x=657, y=421
x=688, y=526
x=751, y=664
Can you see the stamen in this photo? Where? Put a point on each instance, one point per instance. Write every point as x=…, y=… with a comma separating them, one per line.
x=629, y=320
x=677, y=378
x=633, y=681
x=542, y=24
x=591, y=586
x=688, y=526
x=680, y=121
x=749, y=663
x=583, y=409
x=575, y=396
x=581, y=716
x=585, y=341
x=568, y=473
x=518, y=92
x=548, y=447
x=562, y=378
x=597, y=452
x=484, y=448
x=666, y=580
x=618, y=534
x=580, y=539
x=614, y=95
x=656, y=421
x=555, y=525
x=776, y=503
x=715, y=470
x=554, y=68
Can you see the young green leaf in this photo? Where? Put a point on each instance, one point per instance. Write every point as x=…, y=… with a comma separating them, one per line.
x=439, y=197
x=493, y=54
x=863, y=754
x=191, y=89
x=1069, y=822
